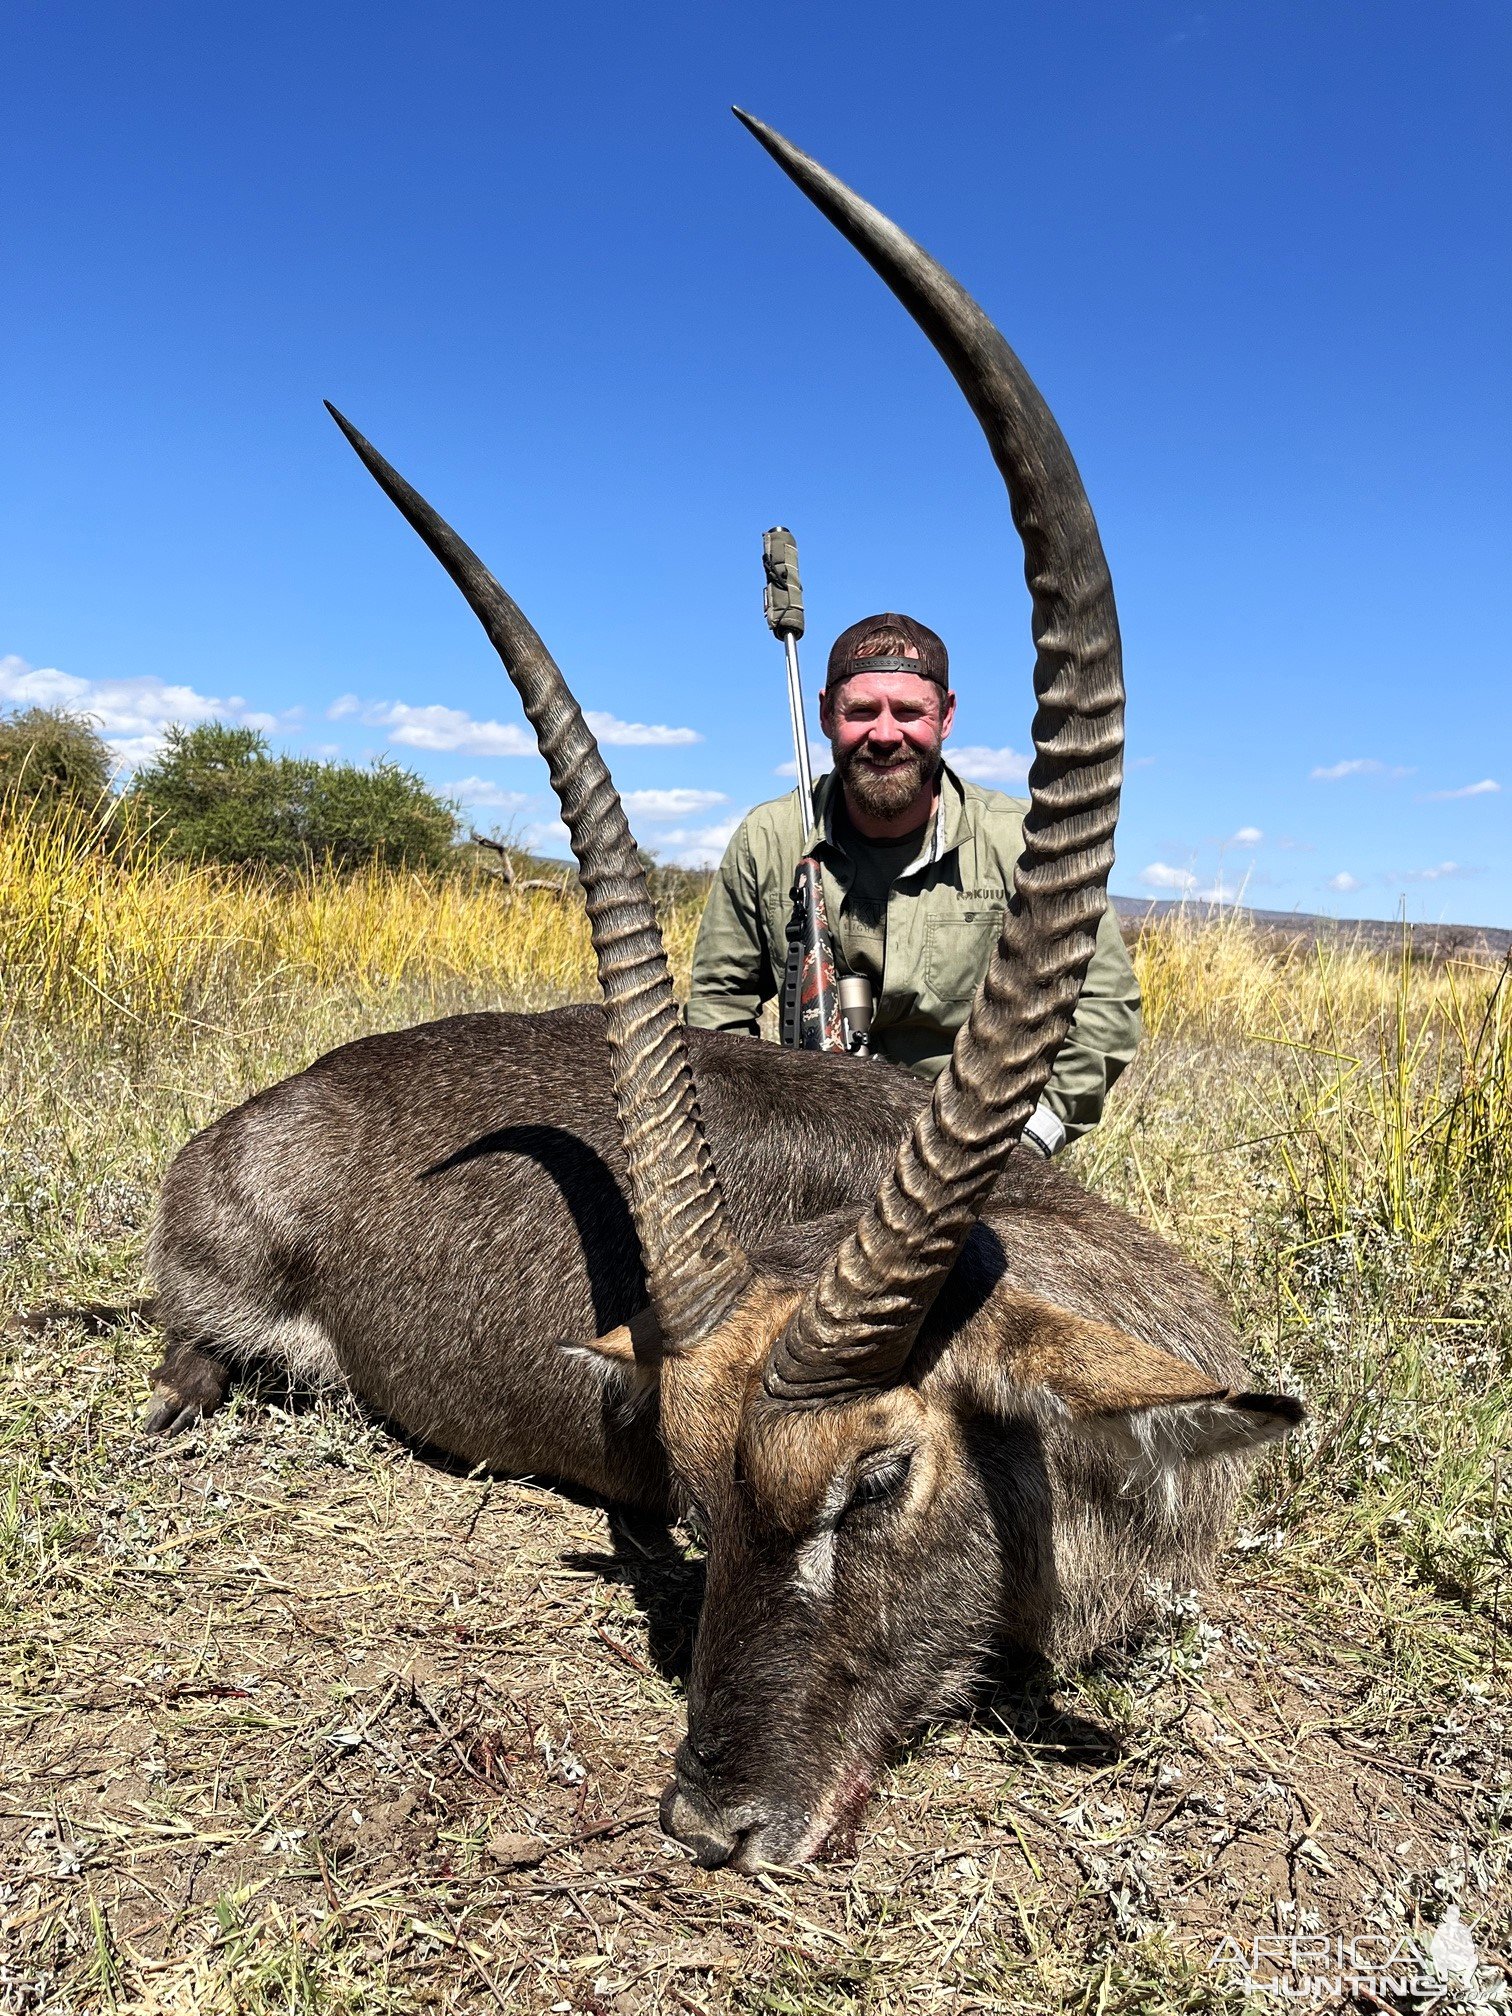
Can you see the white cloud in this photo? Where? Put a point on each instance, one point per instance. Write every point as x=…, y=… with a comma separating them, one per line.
x=788, y=769
x=1359, y=766
x=1482, y=790
x=1345, y=883
x=1160, y=876
x=989, y=766
x=1247, y=836
x=448, y=728
x=133, y=714
x=696, y=846
x=452, y=729
x=617, y=734
x=1442, y=873
x=1218, y=891
x=673, y=804
x=132, y=751
x=482, y=792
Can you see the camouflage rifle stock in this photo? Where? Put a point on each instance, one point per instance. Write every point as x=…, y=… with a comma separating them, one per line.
x=811, y=1017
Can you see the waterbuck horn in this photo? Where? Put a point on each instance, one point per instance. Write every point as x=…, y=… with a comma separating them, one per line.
x=694, y=1266
x=857, y=1325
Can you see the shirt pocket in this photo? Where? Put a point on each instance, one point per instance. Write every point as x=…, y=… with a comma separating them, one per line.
x=956, y=951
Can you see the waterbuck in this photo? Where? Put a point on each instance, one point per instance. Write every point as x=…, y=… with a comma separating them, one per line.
x=921, y=1394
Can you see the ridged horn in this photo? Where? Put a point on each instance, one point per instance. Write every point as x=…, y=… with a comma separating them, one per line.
x=694, y=1266
x=859, y=1321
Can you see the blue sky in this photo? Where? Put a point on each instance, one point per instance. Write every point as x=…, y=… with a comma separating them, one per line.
x=1256, y=257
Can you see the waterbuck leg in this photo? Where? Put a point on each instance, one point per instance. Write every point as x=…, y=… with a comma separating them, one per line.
x=187, y=1388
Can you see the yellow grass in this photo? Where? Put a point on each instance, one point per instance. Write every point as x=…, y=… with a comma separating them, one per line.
x=104, y=942
x=1385, y=1083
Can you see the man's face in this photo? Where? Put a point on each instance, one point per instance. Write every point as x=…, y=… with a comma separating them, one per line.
x=885, y=729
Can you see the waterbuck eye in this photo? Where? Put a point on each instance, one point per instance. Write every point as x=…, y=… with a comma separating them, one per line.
x=881, y=1482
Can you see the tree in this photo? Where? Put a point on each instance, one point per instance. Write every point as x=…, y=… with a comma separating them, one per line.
x=216, y=794
x=384, y=814
x=50, y=758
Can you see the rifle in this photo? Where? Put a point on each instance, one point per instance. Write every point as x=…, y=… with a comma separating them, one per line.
x=822, y=1009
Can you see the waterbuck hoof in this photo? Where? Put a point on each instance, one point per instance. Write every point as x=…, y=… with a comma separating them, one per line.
x=187, y=1388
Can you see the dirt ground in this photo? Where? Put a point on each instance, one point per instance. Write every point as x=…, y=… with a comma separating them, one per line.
x=304, y=1721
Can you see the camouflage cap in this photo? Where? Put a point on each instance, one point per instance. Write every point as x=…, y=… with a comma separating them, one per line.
x=889, y=643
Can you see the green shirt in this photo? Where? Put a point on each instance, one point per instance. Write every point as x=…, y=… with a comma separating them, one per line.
x=876, y=866
x=921, y=930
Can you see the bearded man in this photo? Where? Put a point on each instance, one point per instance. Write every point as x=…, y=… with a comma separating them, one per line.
x=917, y=866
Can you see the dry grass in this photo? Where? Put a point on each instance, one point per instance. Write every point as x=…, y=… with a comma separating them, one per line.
x=107, y=944
x=292, y=1721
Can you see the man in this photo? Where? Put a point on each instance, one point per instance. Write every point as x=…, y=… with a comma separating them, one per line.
x=917, y=865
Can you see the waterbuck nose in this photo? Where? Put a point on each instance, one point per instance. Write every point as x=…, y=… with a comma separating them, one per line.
x=698, y=1824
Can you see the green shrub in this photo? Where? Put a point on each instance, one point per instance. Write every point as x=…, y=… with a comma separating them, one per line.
x=215, y=794
x=49, y=758
x=384, y=814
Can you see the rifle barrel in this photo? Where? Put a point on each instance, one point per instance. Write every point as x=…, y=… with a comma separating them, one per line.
x=800, y=731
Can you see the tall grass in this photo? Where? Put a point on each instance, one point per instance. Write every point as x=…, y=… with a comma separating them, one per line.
x=105, y=943
x=1387, y=1082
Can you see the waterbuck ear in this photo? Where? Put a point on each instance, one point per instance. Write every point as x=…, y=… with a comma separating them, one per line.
x=634, y=1346
x=1056, y=1366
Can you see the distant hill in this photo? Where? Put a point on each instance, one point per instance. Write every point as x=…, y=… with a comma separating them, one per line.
x=1295, y=927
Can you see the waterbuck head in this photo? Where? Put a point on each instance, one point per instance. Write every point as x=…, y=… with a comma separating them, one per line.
x=877, y=1424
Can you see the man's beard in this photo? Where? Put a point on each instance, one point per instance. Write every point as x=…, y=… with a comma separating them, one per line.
x=884, y=792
